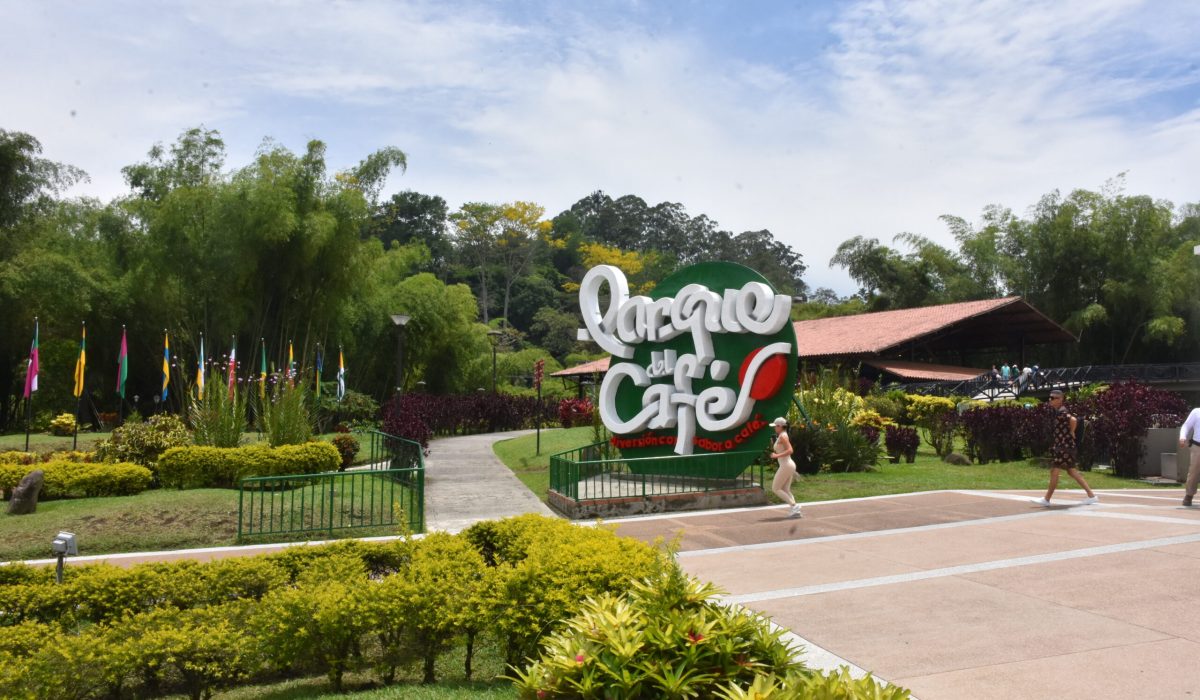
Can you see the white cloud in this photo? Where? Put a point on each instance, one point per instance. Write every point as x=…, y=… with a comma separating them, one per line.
x=917, y=109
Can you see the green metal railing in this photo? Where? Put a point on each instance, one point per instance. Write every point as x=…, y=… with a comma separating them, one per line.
x=388, y=491
x=593, y=472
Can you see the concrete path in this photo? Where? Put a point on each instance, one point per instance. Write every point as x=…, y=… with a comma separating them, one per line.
x=974, y=594
x=465, y=482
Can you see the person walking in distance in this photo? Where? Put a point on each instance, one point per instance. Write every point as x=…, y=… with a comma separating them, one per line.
x=1188, y=434
x=781, y=450
x=1062, y=452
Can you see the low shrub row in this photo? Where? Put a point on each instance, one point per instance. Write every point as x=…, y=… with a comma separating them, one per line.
x=186, y=627
x=222, y=467
x=64, y=479
x=157, y=629
x=18, y=457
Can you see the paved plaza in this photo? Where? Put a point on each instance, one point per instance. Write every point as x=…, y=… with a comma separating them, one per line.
x=971, y=594
x=953, y=594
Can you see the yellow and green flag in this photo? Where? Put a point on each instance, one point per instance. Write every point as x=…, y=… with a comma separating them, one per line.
x=81, y=363
x=200, y=371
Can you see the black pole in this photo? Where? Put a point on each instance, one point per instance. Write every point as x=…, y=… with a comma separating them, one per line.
x=28, y=418
x=78, y=410
x=493, y=368
x=399, y=357
x=539, y=420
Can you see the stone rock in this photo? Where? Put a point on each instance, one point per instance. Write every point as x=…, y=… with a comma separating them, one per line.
x=956, y=458
x=25, y=495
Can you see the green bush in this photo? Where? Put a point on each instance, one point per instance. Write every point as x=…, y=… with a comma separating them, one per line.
x=347, y=446
x=546, y=567
x=18, y=457
x=285, y=416
x=63, y=425
x=355, y=407
x=196, y=650
x=443, y=593
x=217, y=420
x=222, y=467
x=935, y=414
x=836, y=685
x=319, y=623
x=668, y=637
x=142, y=443
x=66, y=479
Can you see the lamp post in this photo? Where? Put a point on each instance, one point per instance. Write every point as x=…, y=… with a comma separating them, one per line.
x=494, y=339
x=401, y=320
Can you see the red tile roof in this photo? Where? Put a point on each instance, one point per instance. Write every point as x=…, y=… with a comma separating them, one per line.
x=595, y=366
x=876, y=333
x=987, y=323
x=923, y=372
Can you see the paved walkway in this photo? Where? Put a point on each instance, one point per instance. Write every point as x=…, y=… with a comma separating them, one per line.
x=952, y=593
x=465, y=482
x=970, y=594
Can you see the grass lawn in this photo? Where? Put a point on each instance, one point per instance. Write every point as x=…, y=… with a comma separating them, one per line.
x=152, y=520
x=534, y=469
x=927, y=473
x=170, y=519
x=43, y=442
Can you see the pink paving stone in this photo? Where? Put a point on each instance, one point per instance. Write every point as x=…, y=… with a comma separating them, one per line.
x=925, y=627
x=1151, y=670
x=1149, y=588
x=791, y=567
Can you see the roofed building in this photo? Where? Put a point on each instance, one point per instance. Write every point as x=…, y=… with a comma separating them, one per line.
x=929, y=343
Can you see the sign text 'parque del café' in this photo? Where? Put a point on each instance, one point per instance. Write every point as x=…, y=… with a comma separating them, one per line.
x=698, y=366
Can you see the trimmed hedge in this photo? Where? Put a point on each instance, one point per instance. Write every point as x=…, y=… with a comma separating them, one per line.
x=221, y=467
x=158, y=629
x=67, y=479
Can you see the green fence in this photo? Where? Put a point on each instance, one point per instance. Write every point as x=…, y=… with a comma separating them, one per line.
x=388, y=491
x=596, y=472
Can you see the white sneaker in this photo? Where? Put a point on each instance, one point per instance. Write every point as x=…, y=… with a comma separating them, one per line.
x=1090, y=500
x=795, y=512
x=1040, y=501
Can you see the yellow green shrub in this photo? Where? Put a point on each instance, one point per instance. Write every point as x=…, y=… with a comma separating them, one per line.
x=18, y=457
x=65, y=479
x=667, y=637
x=317, y=625
x=871, y=418
x=63, y=424
x=196, y=650
x=36, y=602
x=546, y=567
x=223, y=467
x=444, y=592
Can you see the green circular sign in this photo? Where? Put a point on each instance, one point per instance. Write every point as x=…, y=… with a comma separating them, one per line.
x=700, y=366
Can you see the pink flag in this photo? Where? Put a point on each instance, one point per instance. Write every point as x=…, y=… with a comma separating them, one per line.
x=31, y=372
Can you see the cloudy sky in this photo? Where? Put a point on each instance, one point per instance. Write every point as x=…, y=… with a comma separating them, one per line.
x=817, y=120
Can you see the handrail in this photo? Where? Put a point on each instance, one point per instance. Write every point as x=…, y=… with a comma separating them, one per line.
x=1058, y=377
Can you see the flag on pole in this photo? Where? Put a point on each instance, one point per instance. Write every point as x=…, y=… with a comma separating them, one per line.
x=291, y=368
x=232, y=372
x=262, y=372
x=341, y=375
x=31, y=369
x=81, y=363
x=123, y=365
x=320, y=366
x=166, y=368
x=200, y=371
